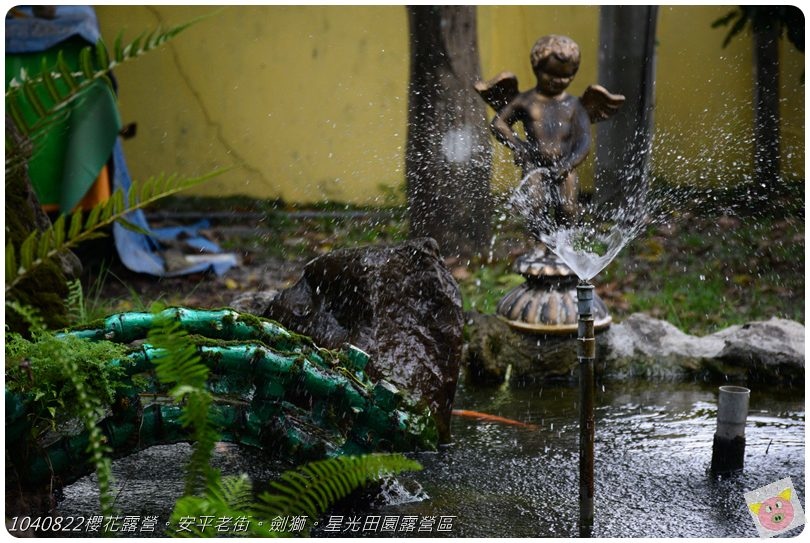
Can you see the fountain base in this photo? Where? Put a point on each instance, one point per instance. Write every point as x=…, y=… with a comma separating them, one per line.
x=547, y=302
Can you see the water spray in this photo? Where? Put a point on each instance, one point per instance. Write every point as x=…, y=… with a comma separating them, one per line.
x=586, y=354
x=728, y=450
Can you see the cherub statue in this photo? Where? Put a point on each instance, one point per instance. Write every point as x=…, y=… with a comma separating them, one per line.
x=557, y=127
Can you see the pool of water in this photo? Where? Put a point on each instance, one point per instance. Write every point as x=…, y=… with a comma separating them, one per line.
x=653, y=449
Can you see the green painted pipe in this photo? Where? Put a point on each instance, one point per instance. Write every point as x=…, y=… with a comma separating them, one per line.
x=275, y=390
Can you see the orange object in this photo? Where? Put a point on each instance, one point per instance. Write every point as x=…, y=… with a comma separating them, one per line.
x=492, y=418
x=98, y=192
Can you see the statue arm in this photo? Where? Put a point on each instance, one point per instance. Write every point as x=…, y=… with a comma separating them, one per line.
x=501, y=127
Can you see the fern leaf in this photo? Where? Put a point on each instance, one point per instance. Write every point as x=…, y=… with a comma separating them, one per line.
x=33, y=98
x=75, y=304
x=133, y=48
x=65, y=72
x=11, y=262
x=94, y=223
x=311, y=488
x=133, y=227
x=58, y=232
x=102, y=56
x=236, y=491
x=92, y=217
x=49, y=83
x=27, y=251
x=118, y=50
x=94, y=64
x=132, y=197
x=36, y=324
x=13, y=107
x=118, y=203
x=45, y=244
x=86, y=63
x=75, y=224
x=179, y=364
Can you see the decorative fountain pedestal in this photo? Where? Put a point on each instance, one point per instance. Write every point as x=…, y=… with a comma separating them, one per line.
x=547, y=302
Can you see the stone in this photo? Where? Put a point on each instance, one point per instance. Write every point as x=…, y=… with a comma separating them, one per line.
x=254, y=302
x=640, y=346
x=399, y=304
x=770, y=350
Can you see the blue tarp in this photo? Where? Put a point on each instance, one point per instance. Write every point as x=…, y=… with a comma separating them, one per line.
x=138, y=252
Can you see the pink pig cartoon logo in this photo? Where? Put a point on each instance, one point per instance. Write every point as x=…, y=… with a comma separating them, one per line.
x=775, y=513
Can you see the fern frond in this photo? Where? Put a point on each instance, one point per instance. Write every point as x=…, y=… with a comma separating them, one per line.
x=311, y=488
x=76, y=307
x=235, y=491
x=178, y=363
x=95, y=64
x=91, y=412
x=38, y=248
x=36, y=324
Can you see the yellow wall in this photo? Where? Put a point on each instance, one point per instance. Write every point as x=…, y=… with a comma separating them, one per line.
x=310, y=102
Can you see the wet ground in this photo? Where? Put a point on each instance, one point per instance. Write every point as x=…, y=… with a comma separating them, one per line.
x=653, y=450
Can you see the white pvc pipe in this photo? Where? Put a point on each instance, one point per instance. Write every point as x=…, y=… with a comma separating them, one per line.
x=732, y=411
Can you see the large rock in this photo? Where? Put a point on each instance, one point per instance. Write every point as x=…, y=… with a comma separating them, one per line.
x=640, y=346
x=399, y=304
x=770, y=350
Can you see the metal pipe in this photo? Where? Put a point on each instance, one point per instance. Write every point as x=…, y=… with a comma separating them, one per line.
x=728, y=449
x=586, y=354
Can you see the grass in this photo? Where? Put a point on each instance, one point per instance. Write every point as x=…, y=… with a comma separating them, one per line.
x=703, y=275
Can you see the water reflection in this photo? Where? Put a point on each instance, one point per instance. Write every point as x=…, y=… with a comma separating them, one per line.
x=653, y=449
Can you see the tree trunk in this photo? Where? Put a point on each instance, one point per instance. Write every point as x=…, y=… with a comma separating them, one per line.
x=766, y=106
x=448, y=157
x=626, y=66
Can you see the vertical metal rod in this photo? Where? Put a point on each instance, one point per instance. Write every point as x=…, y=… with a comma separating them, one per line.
x=586, y=354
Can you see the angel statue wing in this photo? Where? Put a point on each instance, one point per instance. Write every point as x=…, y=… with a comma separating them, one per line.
x=500, y=90
x=599, y=103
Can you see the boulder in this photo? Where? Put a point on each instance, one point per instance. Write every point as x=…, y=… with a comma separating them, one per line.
x=400, y=304
x=640, y=346
x=771, y=350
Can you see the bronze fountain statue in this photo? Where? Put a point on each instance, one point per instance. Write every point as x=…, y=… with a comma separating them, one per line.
x=557, y=128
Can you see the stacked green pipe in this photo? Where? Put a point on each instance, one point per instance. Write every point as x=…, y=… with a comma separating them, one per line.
x=274, y=390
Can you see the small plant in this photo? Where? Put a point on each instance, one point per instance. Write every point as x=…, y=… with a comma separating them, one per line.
x=181, y=367
x=64, y=378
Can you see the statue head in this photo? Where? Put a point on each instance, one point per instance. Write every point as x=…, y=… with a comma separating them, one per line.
x=555, y=61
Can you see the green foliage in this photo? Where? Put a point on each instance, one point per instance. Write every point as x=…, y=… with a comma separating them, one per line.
x=485, y=286
x=313, y=487
x=46, y=367
x=179, y=365
x=65, y=378
x=67, y=233
x=90, y=412
x=788, y=18
x=75, y=303
x=35, y=322
x=308, y=490
x=50, y=91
